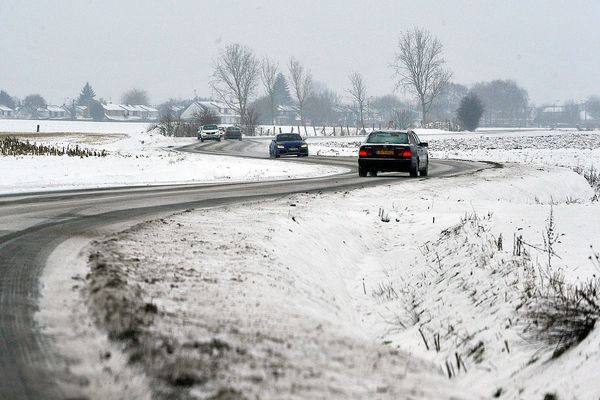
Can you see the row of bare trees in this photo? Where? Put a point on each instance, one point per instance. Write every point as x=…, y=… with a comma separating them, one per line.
x=419, y=67
x=236, y=76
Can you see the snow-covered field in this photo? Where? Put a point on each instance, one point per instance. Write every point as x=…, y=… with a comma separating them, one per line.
x=135, y=157
x=539, y=147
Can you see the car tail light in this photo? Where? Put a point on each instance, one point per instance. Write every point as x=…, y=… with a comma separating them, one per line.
x=363, y=153
x=406, y=153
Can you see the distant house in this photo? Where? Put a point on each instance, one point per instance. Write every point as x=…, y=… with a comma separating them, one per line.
x=57, y=112
x=82, y=112
x=130, y=112
x=226, y=115
x=287, y=115
x=40, y=113
x=133, y=113
x=115, y=112
x=6, y=112
x=149, y=113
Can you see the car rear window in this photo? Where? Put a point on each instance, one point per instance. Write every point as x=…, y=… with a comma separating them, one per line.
x=288, y=137
x=388, y=138
x=233, y=129
x=210, y=127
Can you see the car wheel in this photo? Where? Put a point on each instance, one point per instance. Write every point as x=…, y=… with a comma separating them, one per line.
x=425, y=171
x=373, y=173
x=362, y=171
x=201, y=139
x=414, y=169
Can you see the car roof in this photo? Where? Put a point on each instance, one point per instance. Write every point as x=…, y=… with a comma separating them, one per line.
x=288, y=133
x=391, y=131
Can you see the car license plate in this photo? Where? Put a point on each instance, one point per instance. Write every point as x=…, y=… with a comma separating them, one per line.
x=293, y=148
x=385, y=152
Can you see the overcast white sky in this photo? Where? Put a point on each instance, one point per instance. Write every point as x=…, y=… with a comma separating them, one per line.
x=550, y=47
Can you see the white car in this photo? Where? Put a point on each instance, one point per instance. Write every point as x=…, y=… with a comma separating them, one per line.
x=209, y=132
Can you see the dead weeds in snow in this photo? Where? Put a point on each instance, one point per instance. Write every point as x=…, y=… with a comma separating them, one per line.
x=480, y=304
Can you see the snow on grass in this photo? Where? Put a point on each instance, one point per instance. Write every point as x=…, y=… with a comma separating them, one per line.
x=341, y=291
x=559, y=148
x=57, y=126
x=134, y=158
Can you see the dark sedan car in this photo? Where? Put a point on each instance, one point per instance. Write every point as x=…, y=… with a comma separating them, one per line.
x=232, y=132
x=393, y=151
x=288, y=144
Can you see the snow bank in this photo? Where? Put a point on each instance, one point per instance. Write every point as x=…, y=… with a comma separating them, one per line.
x=338, y=291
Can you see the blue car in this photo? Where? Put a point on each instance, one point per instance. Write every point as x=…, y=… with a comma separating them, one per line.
x=285, y=144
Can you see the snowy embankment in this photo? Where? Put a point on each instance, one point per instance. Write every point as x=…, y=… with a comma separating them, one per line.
x=391, y=292
x=134, y=158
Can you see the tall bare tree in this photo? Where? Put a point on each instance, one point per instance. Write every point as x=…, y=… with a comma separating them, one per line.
x=268, y=75
x=301, y=85
x=420, y=66
x=358, y=91
x=235, y=78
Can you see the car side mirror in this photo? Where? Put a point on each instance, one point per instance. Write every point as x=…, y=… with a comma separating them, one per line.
x=424, y=144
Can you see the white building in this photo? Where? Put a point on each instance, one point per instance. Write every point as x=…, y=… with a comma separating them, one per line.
x=57, y=112
x=6, y=112
x=114, y=112
x=226, y=115
x=130, y=112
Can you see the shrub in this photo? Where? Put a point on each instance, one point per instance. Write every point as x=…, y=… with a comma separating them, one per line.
x=10, y=146
x=563, y=315
x=592, y=175
x=470, y=111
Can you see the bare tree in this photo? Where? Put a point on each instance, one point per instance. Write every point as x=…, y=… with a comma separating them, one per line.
x=235, y=78
x=358, y=91
x=136, y=97
x=402, y=119
x=420, y=66
x=301, y=85
x=268, y=75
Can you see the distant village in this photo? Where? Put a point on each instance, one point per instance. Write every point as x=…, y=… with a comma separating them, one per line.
x=505, y=105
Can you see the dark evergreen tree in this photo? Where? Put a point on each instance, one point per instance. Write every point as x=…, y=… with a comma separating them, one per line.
x=470, y=111
x=6, y=100
x=282, y=91
x=86, y=96
x=96, y=110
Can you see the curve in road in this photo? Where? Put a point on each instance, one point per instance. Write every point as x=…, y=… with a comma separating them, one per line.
x=33, y=225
